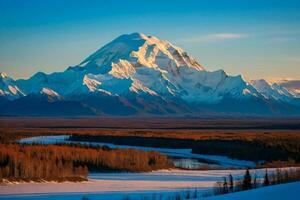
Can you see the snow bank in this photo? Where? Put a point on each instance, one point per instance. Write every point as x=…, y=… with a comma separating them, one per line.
x=116, y=182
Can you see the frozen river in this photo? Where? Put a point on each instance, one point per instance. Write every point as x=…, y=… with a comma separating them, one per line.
x=185, y=157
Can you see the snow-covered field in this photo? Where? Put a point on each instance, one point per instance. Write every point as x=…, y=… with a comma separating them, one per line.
x=222, y=161
x=288, y=191
x=277, y=192
x=122, y=184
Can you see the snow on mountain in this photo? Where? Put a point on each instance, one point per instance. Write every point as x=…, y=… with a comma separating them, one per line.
x=144, y=64
x=133, y=63
x=8, y=87
x=291, y=85
x=51, y=94
x=142, y=73
x=63, y=83
x=273, y=91
x=139, y=50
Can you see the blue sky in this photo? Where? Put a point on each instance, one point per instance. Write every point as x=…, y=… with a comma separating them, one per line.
x=256, y=38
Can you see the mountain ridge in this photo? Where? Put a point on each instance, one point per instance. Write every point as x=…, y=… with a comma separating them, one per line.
x=137, y=74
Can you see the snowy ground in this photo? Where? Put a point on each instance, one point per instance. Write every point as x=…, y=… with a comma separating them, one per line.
x=123, y=184
x=222, y=161
x=289, y=191
x=277, y=192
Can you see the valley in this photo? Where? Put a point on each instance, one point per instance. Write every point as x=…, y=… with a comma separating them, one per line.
x=189, y=171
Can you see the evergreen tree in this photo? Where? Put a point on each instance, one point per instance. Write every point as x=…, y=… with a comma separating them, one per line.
x=266, y=181
x=255, y=181
x=230, y=183
x=247, y=181
x=225, y=186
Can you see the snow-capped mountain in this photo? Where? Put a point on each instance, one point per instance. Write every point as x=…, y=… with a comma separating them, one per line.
x=139, y=74
x=292, y=85
x=8, y=87
x=271, y=91
x=275, y=91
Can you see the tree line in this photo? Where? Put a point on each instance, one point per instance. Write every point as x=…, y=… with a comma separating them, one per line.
x=72, y=162
x=248, y=182
x=255, y=150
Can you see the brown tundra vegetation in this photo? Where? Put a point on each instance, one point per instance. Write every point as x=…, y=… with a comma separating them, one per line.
x=56, y=162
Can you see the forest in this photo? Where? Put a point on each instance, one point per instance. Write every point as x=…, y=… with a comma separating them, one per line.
x=72, y=162
x=279, y=176
x=278, y=147
x=255, y=150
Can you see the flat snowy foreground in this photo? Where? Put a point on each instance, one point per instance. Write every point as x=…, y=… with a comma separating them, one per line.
x=102, y=184
x=288, y=191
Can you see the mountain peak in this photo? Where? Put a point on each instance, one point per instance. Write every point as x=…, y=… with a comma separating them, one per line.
x=138, y=50
x=132, y=36
x=139, y=36
x=136, y=73
x=3, y=75
x=8, y=87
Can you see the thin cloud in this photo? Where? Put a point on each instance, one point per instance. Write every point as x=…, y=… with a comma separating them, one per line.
x=215, y=37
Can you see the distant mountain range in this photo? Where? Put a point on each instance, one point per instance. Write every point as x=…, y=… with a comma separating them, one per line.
x=142, y=75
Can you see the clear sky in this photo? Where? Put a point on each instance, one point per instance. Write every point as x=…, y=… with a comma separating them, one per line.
x=256, y=38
